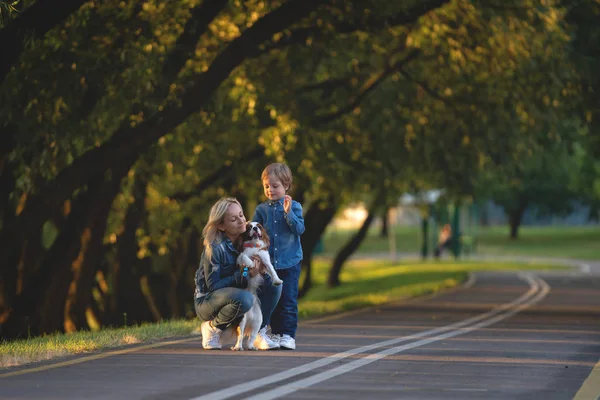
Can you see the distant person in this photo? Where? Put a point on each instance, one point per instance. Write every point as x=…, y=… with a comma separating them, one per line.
x=444, y=240
x=282, y=219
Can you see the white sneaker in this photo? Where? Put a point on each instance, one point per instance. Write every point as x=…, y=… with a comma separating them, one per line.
x=274, y=338
x=287, y=342
x=264, y=342
x=211, y=336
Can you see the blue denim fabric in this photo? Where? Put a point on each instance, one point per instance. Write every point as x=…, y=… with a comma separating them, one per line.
x=220, y=271
x=268, y=295
x=219, y=293
x=224, y=306
x=284, y=319
x=284, y=231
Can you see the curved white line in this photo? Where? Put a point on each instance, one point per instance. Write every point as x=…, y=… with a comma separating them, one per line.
x=585, y=268
x=352, y=365
x=453, y=328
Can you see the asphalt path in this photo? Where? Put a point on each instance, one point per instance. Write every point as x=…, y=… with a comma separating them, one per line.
x=503, y=335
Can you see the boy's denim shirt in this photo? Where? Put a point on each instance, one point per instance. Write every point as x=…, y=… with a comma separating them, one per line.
x=220, y=272
x=284, y=231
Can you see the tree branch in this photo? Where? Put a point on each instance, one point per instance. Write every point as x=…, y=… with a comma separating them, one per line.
x=37, y=20
x=196, y=26
x=220, y=173
x=368, y=22
x=423, y=86
x=367, y=88
x=129, y=142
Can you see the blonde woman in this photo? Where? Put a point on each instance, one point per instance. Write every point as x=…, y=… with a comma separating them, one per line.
x=220, y=299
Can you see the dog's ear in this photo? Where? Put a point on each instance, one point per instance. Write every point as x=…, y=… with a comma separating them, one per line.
x=265, y=236
x=246, y=234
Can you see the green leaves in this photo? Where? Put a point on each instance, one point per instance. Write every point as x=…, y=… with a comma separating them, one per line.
x=356, y=96
x=8, y=11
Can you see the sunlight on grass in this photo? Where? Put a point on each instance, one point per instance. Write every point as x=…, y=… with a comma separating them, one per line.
x=364, y=283
x=46, y=347
x=370, y=283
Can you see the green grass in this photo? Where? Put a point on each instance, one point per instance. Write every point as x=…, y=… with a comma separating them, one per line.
x=364, y=283
x=552, y=241
x=369, y=282
x=41, y=348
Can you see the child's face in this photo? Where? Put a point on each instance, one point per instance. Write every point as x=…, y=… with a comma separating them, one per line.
x=274, y=189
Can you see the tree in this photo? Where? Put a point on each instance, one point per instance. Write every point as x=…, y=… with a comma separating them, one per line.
x=126, y=120
x=543, y=180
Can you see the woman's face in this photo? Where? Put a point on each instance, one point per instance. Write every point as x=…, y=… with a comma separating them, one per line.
x=234, y=223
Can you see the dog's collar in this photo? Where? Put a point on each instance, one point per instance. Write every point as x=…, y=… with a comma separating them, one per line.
x=252, y=245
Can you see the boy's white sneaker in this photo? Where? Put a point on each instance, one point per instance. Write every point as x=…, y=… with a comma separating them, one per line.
x=264, y=342
x=286, y=342
x=211, y=336
x=274, y=338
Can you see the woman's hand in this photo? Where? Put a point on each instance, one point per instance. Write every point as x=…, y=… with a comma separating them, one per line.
x=257, y=267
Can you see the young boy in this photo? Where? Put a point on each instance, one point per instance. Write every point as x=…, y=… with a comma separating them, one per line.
x=282, y=219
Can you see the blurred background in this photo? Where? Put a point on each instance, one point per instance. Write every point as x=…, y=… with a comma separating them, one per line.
x=122, y=122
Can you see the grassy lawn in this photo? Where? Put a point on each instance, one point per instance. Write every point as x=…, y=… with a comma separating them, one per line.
x=552, y=241
x=364, y=283
x=369, y=282
x=47, y=347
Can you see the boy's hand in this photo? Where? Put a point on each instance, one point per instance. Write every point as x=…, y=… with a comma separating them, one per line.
x=287, y=203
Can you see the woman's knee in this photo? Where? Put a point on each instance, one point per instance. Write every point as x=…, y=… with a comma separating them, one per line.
x=244, y=301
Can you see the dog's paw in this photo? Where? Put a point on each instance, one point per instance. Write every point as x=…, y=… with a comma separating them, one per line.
x=252, y=348
x=277, y=282
x=237, y=348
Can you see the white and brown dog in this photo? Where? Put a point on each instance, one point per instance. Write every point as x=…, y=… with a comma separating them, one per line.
x=255, y=243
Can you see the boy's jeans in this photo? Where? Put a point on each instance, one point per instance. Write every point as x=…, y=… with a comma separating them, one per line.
x=285, y=317
x=228, y=305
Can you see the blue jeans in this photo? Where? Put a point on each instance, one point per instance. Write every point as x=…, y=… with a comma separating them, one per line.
x=228, y=305
x=285, y=317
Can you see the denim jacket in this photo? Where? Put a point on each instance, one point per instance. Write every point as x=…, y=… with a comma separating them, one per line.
x=284, y=231
x=220, y=272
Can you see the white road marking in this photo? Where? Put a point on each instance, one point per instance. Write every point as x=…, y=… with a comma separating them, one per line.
x=585, y=268
x=342, y=369
x=499, y=313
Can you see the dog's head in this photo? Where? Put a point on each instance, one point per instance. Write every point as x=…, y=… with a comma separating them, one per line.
x=255, y=231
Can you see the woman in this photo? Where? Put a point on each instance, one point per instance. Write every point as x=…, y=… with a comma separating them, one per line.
x=220, y=297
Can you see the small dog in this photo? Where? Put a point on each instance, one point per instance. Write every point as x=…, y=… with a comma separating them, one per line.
x=255, y=243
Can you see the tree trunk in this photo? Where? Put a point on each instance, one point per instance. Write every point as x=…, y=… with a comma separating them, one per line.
x=176, y=272
x=424, y=237
x=126, y=298
x=456, y=230
x=39, y=307
x=316, y=220
x=385, y=222
x=186, y=284
x=351, y=246
x=7, y=175
x=91, y=252
x=514, y=219
x=61, y=291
